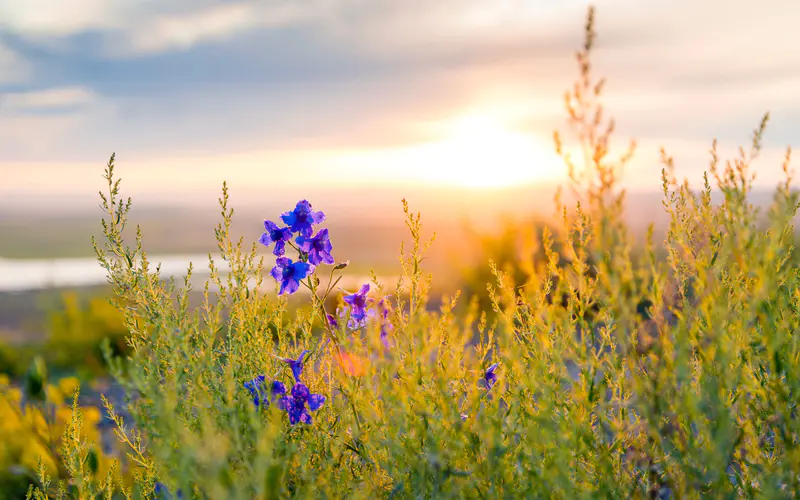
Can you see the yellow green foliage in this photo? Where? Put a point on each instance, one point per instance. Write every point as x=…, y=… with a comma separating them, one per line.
x=77, y=329
x=33, y=431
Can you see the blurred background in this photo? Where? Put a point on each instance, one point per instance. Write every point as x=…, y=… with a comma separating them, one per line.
x=353, y=105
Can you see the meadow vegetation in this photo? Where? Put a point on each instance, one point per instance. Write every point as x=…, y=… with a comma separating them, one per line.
x=592, y=367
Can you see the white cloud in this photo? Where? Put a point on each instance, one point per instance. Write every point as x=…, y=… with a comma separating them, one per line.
x=53, y=18
x=135, y=27
x=13, y=67
x=48, y=99
x=55, y=119
x=183, y=30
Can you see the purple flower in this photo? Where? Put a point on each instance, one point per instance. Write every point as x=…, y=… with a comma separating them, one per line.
x=259, y=392
x=358, y=303
x=332, y=321
x=386, y=326
x=296, y=364
x=318, y=248
x=277, y=235
x=302, y=217
x=295, y=404
x=490, y=377
x=289, y=274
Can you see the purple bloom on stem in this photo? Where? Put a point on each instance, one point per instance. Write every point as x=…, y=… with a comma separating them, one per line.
x=358, y=303
x=289, y=274
x=386, y=326
x=385, y=308
x=296, y=364
x=332, y=321
x=318, y=248
x=259, y=392
x=385, y=329
x=277, y=235
x=295, y=404
x=490, y=377
x=302, y=217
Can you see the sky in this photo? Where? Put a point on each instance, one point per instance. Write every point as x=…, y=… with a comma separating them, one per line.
x=285, y=97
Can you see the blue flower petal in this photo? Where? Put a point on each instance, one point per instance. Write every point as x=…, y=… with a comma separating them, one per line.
x=315, y=401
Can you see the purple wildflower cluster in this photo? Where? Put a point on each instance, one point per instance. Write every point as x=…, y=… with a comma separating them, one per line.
x=314, y=250
x=296, y=403
x=357, y=305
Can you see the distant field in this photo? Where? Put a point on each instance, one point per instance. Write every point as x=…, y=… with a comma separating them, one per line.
x=23, y=315
x=368, y=246
x=174, y=231
x=367, y=233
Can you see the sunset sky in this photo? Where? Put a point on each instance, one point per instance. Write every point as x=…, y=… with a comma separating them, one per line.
x=278, y=96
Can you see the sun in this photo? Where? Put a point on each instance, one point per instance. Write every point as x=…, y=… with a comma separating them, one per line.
x=479, y=151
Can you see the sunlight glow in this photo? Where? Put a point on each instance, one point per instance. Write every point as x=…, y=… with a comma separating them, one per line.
x=479, y=151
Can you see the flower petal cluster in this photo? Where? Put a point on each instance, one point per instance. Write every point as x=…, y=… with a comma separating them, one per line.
x=358, y=303
x=289, y=273
x=296, y=403
x=296, y=365
x=489, y=377
x=313, y=251
x=259, y=392
x=318, y=248
x=277, y=235
x=302, y=218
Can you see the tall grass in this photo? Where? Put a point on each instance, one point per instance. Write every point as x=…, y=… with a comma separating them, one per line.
x=619, y=374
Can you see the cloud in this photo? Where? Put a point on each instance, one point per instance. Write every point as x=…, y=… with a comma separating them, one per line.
x=216, y=22
x=49, y=119
x=47, y=100
x=14, y=69
x=52, y=18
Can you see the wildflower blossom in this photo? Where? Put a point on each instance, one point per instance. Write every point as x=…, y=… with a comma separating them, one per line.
x=489, y=377
x=259, y=393
x=277, y=235
x=318, y=248
x=295, y=404
x=296, y=364
x=386, y=325
x=302, y=217
x=358, y=306
x=332, y=321
x=289, y=274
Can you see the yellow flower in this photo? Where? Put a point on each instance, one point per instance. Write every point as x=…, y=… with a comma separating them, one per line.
x=91, y=414
x=68, y=386
x=54, y=395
